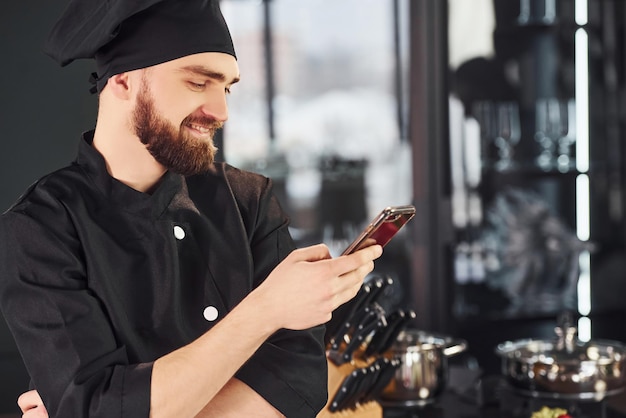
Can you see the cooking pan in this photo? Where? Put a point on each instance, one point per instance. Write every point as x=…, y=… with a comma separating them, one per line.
x=423, y=373
x=564, y=367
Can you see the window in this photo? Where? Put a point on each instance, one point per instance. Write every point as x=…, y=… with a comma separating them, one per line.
x=321, y=104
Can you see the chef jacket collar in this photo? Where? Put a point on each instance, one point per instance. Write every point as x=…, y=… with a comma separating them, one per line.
x=152, y=205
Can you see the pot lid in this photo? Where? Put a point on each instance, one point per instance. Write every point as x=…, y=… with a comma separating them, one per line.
x=564, y=349
x=411, y=340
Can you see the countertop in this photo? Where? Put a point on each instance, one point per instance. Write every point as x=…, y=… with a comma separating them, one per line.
x=470, y=395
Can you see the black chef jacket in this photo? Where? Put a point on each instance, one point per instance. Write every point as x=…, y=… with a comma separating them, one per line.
x=97, y=280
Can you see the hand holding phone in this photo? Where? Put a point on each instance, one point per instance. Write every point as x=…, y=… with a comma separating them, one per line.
x=382, y=228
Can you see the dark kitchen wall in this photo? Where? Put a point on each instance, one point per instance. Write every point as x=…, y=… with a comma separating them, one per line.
x=43, y=110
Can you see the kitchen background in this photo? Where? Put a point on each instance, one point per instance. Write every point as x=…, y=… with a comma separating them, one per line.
x=500, y=120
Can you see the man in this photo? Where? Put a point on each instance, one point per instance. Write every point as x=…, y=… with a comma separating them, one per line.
x=144, y=279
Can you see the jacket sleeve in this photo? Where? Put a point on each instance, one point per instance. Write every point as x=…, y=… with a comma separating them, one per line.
x=289, y=370
x=60, y=327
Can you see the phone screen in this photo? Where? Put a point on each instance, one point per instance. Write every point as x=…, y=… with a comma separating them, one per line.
x=382, y=228
x=383, y=234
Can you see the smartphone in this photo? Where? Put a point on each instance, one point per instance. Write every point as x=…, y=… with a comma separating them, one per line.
x=380, y=231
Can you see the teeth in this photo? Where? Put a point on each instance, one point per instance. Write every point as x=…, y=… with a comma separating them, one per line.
x=200, y=128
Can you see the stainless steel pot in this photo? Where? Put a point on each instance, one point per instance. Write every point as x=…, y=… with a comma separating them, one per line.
x=423, y=373
x=564, y=367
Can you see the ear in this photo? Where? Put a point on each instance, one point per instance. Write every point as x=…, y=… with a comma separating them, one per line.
x=119, y=86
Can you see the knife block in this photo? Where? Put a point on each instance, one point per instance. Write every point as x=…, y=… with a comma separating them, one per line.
x=336, y=374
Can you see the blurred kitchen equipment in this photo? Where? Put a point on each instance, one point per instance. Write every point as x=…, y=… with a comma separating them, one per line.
x=531, y=254
x=423, y=372
x=564, y=368
x=555, y=132
x=500, y=127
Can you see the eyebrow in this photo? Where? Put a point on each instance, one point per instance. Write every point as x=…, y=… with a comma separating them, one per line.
x=207, y=72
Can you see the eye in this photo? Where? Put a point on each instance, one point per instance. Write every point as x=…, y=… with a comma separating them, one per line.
x=196, y=86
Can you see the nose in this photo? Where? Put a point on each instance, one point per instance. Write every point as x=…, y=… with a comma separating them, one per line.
x=215, y=106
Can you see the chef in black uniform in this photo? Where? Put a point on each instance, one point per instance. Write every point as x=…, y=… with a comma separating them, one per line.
x=145, y=279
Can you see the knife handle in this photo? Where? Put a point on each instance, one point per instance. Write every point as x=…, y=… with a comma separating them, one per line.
x=345, y=391
x=391, y=338
x=382, y=335
x=364, y=381
x=336, y=327
x=351, y=324
x=358, y=338
x=378, y=284
x=388, y=370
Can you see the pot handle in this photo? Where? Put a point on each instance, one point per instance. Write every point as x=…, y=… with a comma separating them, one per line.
x=454, y=347
x=566, y=332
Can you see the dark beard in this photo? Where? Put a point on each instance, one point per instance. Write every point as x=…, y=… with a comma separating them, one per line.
x=173, y=148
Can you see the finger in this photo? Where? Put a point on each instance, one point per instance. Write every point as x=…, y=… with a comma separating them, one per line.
x=347, y=263
x=36, y=413
x=357, y=276
x=348, y=292
x=312, y=253
x=351, y=282
x=29, y=400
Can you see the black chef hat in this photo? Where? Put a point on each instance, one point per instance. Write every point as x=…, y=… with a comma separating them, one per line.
x=125, y=35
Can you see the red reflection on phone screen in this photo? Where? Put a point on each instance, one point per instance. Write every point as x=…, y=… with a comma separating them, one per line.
x=386, y=231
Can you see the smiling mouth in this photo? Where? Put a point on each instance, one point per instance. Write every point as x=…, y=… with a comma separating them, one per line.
x=200, y=129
